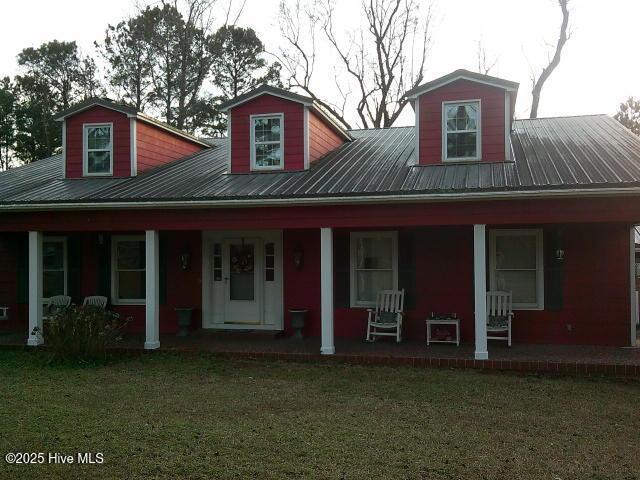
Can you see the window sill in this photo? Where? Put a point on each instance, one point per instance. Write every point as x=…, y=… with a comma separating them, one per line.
x=461, y=160
x=126, y=303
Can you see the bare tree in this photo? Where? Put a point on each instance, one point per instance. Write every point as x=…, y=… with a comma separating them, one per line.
x=485, y=64
x=538, y=82
x=299, y=29
x=383, y=60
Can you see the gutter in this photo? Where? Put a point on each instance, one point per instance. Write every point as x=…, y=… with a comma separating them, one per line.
x=321, y=201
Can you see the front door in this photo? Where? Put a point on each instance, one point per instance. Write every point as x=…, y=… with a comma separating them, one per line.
x=243, y=280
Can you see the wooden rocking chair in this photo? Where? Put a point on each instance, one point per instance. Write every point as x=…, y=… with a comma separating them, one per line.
x=499, y=316
x=386, y=319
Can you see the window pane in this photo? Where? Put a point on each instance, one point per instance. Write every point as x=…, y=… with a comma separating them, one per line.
x=522, y=284
x=99, y=138
x=53, y=255
x=374, y=253
x=462, y=117
x=266, y=129
x=52, y=283
x=131, y=285
x=369, y=283
x=130, y=254
x=516, y=252
x=99, y=162
x=242, y=271
x=461, y=145
x=268, y=155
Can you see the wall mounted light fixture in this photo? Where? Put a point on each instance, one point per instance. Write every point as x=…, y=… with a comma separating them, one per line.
x=185, y=260
x=298, y=256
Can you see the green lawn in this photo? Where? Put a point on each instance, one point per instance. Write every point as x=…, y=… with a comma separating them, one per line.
x=171, y=416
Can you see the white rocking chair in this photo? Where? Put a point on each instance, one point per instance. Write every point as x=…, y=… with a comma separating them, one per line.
x=499, y=315
x=386, y=319
x=95, y=301
x=55, y=304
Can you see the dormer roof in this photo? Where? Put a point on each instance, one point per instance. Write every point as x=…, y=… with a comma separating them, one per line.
x=287, y=95
x=127, y=110
x=462, y=74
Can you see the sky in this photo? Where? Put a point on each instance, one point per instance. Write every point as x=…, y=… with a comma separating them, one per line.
x=599, y=68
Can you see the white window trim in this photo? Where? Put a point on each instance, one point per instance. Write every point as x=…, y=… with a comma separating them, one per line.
x=393, y=235
x=252, y=118
x=65, y=262
x=537, y=232
x=478, y=131
x=115, y=300
x=85, y=158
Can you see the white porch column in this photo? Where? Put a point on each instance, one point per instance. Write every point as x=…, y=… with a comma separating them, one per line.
x=152, y=290
x=480, y=290
x=35, y=288
x=632, y=285
x=326, y=291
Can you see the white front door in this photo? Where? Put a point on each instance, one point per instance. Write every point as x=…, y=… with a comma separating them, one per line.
x=243, y=280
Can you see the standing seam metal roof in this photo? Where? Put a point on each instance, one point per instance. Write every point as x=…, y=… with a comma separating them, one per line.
x=550, y=153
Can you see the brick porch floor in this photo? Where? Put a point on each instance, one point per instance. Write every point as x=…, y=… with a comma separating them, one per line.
x=566, y=359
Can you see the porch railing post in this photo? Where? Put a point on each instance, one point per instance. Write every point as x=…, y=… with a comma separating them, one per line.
x=480, y=290
x=35, y=288
x=326, y=291
x=152, y=285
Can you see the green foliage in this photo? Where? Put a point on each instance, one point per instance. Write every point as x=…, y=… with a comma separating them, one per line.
x=82, y=334
x=7, y=122
x=55, y=75
x=60, y=66
x=126, y=51
x=37, y=133
x=629, y=114
x=240, y=63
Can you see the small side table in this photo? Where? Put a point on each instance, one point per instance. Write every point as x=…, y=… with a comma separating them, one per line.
x=443, y=321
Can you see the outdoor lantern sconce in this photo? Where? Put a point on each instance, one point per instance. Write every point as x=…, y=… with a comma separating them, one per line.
x=298, y=257
x=185, y=260
x=560, y=254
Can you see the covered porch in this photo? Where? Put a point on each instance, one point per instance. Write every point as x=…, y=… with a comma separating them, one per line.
x=586, y=296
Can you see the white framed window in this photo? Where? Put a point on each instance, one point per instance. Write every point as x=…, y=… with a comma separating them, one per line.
x=267, y=141
x=516, y=265
x=461, y=136
x=374, y=265
x=97, y=149
x=128, y=269
x=54, y=267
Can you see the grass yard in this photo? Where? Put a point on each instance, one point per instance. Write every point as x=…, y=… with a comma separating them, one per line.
x=171, y=416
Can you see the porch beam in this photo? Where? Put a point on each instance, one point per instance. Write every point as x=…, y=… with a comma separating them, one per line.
x=326, y=291
x=152, y=286
x=35, y=289
x=480, y=290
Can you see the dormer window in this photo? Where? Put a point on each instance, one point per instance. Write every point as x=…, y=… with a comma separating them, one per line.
x=461, y=131
x=98, y=149
x=267, y=142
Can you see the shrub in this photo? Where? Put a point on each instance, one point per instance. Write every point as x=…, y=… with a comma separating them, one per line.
x=82, y=333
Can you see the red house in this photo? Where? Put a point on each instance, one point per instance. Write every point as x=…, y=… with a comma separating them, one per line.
x=293, y=211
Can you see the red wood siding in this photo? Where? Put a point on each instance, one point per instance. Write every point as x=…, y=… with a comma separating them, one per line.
x=293, y=131
x=155, y=146
x=491, y=112
x=595, y=287
x=121, y=140
x=302, y=287
x=501, y=212
x=9, y=245
x=322, y=138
